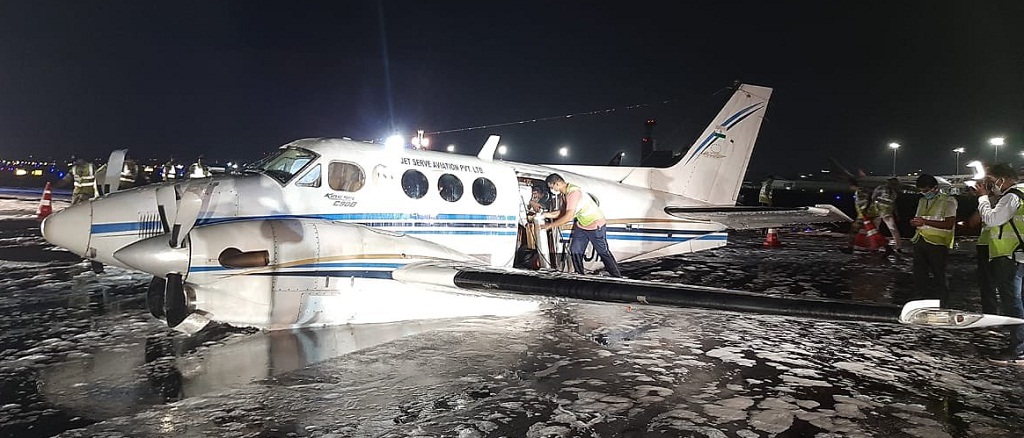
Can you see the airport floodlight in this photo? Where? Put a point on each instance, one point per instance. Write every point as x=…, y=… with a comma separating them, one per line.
x=894, y=146
x=622, y=155
x=502, y=150
x=425, y=142
x=451, y=148
x=415, y=141
x=958, y=151
x=563, y=151
x=996, y=142
x=394, y=142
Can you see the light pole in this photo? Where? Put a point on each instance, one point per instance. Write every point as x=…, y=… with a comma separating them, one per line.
x=958, y=151
x=996, y=142
x=502, y=150
x=563, y=151
x=894, y=146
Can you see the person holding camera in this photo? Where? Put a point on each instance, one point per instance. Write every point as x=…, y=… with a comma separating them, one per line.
x=934, y=220
x=1005, y=249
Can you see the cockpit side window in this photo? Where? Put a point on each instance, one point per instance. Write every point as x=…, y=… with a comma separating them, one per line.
x=310, y=179
x=284, y=165
x=345, y=177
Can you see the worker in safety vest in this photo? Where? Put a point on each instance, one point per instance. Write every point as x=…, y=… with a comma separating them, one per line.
x=170, y=170
x=84, y=175
x=764, y=197
x=884, y=201
x=1005, y=249
x=862, y=204
x=198, y=169
x=588, y=224
x=129, y=170
x=935, y=219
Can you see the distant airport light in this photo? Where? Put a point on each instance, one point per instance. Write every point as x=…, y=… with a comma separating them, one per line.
x=894, y=146
x=415, y=141
x=958, y=151
x=451, y=148
x=996, y=142
x=563, y=151
x=502, y=150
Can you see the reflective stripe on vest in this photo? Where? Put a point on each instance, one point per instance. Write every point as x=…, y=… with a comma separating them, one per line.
x=932, y=235
x=587, y=211
x=1002, y=238
x=84, y=175
x=985, y=236
x=884, y=200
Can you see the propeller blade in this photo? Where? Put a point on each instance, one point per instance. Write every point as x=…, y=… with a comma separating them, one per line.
x=188, y=213
x=112, y=176
x=167, y=205
x=175, y=302
x=155, y=297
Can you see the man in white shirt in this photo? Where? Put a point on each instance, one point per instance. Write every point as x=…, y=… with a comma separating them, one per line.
x=1006, y=223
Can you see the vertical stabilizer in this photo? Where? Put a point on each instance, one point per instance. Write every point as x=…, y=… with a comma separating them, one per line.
x=712, y=170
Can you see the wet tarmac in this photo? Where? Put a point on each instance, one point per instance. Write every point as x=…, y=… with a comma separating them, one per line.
x=81, y=357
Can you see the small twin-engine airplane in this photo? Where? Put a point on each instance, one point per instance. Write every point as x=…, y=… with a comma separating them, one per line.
x=335, y=231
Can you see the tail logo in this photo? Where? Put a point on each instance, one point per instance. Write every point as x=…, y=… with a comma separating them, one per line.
x=719, y=132
x=714, y=150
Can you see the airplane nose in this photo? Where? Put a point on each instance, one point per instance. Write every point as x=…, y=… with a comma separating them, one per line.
x=69, y=228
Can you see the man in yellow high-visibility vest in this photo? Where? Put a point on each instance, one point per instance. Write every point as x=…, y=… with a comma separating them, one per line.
x=588, y=224
x=1005, y=222
x=934, y=220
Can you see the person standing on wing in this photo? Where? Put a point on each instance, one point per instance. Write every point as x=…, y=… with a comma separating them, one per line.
x=588, y=224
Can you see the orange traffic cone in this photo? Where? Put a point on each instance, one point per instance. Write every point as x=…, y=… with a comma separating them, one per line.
x=869, y=238
x=45, y=204
x=771, y=240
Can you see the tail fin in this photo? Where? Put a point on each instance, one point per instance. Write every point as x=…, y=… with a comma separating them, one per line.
x=712, y=170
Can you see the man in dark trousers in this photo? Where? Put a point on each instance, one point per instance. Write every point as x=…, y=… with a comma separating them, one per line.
x=1005, y=241
x=588, y=224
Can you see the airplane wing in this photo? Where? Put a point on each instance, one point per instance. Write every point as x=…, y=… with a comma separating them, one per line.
x=743, y=217
x=925, y=313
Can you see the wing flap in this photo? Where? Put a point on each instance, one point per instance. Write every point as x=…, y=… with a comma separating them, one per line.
x=743, y=218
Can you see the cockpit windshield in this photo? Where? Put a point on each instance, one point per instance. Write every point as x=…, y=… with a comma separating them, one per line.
x=284, y=164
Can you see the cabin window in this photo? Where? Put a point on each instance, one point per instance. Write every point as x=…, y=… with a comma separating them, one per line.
x=415, y=183
x=484, y=191
x=450, y=187
x=345, y=177
x=310, y=179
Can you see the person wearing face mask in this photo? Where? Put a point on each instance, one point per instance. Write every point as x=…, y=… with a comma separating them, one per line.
x=934, y=220
x=1005, y=222
x=588, y=224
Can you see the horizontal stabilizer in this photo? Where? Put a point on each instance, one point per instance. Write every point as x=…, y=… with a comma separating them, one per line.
x=743, y=217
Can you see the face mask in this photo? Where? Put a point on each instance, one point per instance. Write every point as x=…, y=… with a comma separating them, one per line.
x=929, y=195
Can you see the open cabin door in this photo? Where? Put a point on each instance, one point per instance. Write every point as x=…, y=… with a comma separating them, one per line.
x=538, y=249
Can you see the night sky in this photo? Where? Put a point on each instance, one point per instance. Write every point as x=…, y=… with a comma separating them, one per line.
x=235, y=79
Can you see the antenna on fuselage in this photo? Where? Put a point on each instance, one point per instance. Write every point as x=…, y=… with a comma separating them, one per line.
x=487, y=152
